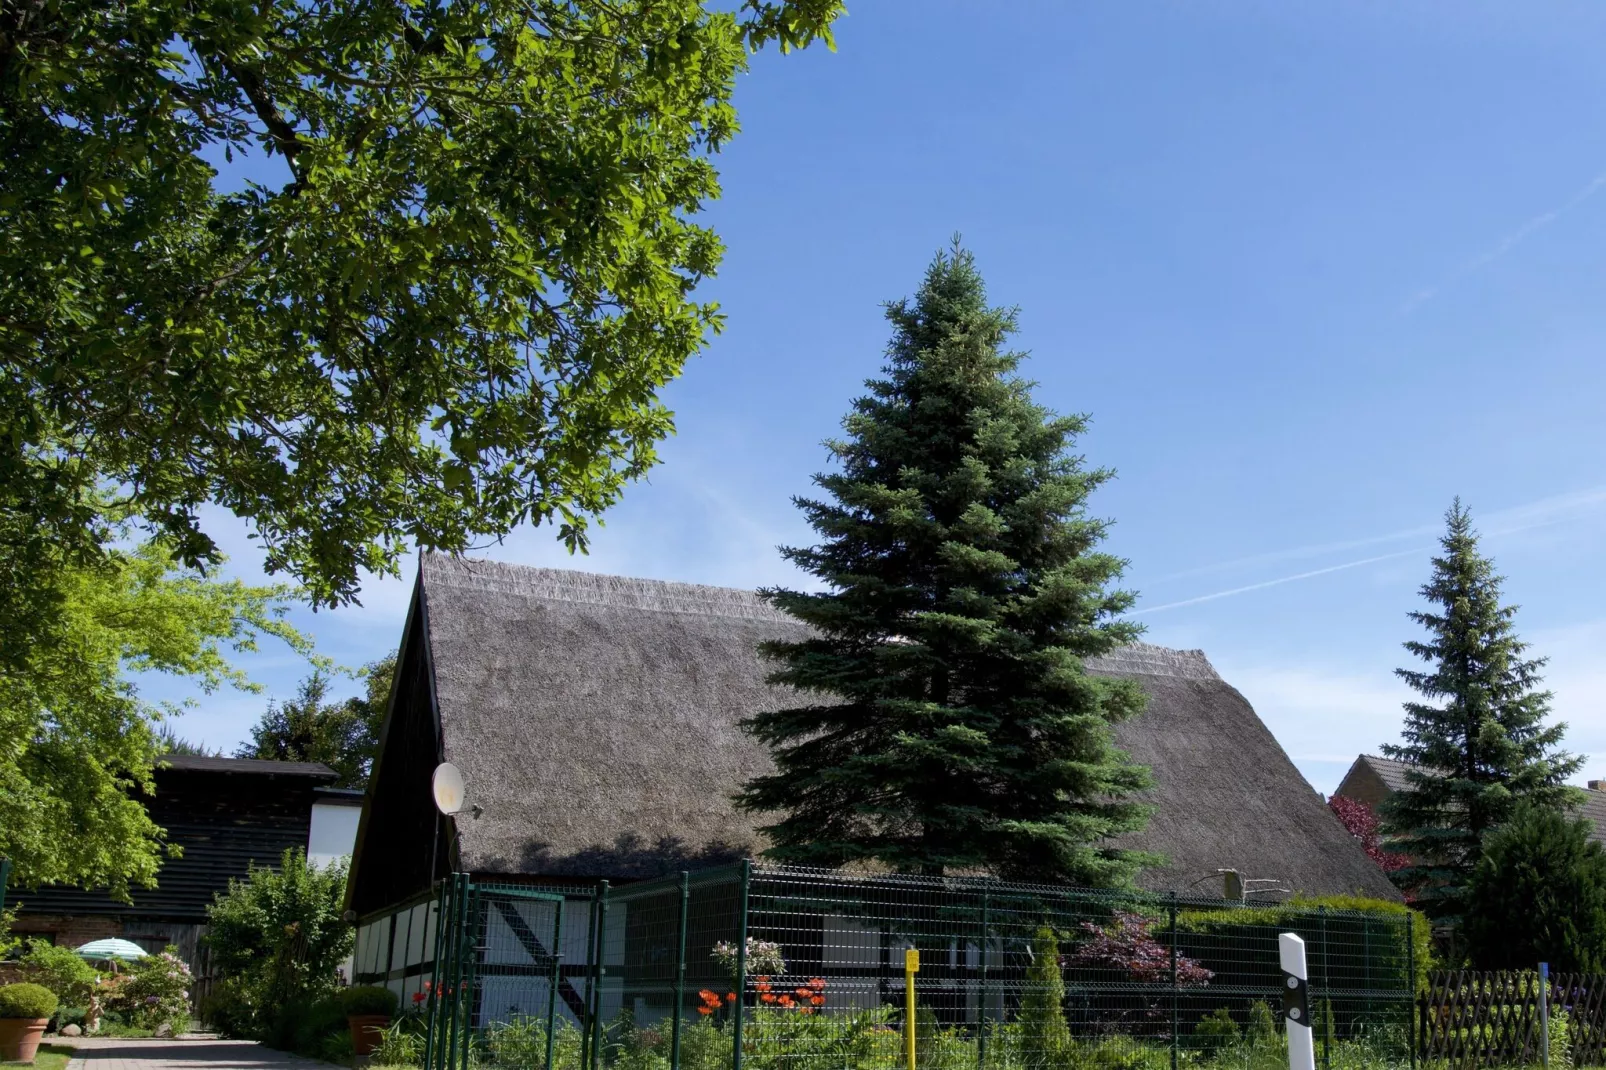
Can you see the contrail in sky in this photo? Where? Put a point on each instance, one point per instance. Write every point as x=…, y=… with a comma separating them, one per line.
x=1508, y=243
x=1280, y=580
x=1502, y=522
x=1539, y=514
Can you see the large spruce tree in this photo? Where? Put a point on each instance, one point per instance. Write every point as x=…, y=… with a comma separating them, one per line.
x=1478, y=742
x=948, y=725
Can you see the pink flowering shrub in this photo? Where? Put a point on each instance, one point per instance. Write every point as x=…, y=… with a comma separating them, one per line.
x=154, y=992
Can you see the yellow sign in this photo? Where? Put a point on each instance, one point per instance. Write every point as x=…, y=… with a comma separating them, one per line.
x=911, y=966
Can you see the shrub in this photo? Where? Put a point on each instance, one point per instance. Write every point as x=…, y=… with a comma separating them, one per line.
x=27, y=1000
x=1262, y=1023
x=1216, y=1030
x=154, y=992
x=1045, y=1039
x=60, y=970
x=1539, y=894
x=369, y=999
x=310, y=1025
x=1561, y=1041
x=703, y=1046
x=280, y=936
x=403, y=1045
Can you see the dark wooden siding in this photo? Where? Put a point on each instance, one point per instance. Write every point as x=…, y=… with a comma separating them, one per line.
x=394, y=845
x=224, y=822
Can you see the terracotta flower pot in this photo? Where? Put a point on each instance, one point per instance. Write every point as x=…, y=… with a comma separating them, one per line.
x=367, y=1030
x=19, y=1038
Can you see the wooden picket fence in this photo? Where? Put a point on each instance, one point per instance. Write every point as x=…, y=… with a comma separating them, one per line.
x=1470, y=1019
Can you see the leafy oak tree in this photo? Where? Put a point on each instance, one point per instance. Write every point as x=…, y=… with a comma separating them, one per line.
x=1477, y=742
x=80, y=742
x=947, y=724
x=437, y=301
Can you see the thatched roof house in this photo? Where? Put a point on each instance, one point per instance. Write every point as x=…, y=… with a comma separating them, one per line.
x=594, y=719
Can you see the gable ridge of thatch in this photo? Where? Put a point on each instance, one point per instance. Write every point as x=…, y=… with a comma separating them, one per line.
x=1146, y=659
x=598, y=589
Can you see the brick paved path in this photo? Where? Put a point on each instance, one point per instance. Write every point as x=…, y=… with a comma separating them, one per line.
x=107, y=1053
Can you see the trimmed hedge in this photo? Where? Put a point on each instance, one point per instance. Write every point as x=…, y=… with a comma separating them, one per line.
x=1363, y=934
x=27, y=1001
x=369, y=999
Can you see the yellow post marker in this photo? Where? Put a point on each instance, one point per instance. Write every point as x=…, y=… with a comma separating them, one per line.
x=911, y=966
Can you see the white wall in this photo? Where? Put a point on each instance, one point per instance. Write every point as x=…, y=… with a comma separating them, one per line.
x=334, y=833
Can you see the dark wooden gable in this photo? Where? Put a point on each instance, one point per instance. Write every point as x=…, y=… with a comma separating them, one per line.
x=401, y=833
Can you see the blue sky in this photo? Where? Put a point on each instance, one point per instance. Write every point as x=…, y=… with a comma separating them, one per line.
x=1313, y=269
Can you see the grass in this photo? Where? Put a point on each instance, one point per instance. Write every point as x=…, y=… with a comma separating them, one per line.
x=50, y=1057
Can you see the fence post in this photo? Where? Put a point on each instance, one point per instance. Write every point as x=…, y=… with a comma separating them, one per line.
x=599, y=972
x=471, y=960
x=590, y=965
x=1410, y=980
x=1176, y=1025
x=454, y=997
x=680, y=975
x=555, y=980
x=741, y=964
x=1544, y=1014
x=1326, y=1004
x=981, y=1014
x=437, y=961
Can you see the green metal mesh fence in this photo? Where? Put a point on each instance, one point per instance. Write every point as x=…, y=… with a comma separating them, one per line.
x=774, y=968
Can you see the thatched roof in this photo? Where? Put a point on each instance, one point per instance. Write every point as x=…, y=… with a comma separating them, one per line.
x=594, y=718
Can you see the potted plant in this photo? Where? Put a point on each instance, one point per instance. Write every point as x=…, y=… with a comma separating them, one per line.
x=24, y=1011
x=369, y=1009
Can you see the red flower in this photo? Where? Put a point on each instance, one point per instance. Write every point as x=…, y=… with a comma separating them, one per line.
x=766, y=998
x=731, y=996
x=705, y=1010
x=818, y=1001
x=818, y=982
x=787, y=1002
x=419, y=997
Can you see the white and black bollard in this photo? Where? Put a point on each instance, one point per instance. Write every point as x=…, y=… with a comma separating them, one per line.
x=1296, y=1003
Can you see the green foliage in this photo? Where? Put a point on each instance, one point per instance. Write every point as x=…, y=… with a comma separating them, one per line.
x=402, y=1044
x=1216, y=1030
x=26, y=1000
x=703, y=1046
x=310, y=1025
x=1539, y=895
x=342, y=735
x=1044, y=1034
x=369, y=999
x=1561, y=1041
x=279, y=936
x=80, y=740
x=1297, y=915
x=1477, y=741
x=961, y=589
x=155, y=991
x=232, y=1007
x=445, y=308
x=61, y=970
x=1262, y=1024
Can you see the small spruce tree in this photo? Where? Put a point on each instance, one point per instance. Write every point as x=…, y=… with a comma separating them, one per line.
x=1539, y=895
x=947, y=723
x=1477, y=741
x=1045, y=1038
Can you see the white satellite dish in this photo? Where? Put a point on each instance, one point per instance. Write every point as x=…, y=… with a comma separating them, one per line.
x=448, y=788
